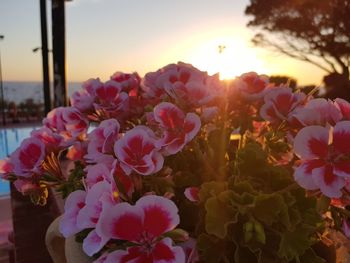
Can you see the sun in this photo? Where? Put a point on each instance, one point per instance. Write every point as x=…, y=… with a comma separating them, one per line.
x=229, y=56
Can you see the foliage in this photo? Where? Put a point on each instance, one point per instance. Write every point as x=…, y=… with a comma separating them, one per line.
x=317, y=32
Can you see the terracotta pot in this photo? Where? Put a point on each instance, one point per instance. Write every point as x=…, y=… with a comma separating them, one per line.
x=63, y=250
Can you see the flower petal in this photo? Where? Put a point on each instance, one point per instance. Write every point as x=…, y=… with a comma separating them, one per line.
x=93, y=243
x=74, y=203
x=329, y=184
x=121, y=221
x=312, y=142
x=191, y=194
x=344, y=107
x=341, y=137
x=160, y=214
x=192, y=124
x=164, y=252
x=303, y=174
x=342, y=169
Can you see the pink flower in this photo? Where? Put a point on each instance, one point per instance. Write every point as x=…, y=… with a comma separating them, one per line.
x=190, y=250
x=178, y=129
x=184, y=83
x=137, y=151
x=74, y=203
x=27, y=159
x=97, y=173
x=252, y=85
x=318, y=112
x=153, y=83
x=53, y=141
x=66, y=121
x=162, y=252
x=192, y=194
x=344, y=108
x=93, y=243
x=324, y=156
x=84, y=98
x=111, y=99
x=102, y=139
x=280, y=103
x=143, y=224
x=99, y=197
x=129, y=83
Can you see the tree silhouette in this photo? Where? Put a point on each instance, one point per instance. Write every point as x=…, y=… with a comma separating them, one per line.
x=314, y=31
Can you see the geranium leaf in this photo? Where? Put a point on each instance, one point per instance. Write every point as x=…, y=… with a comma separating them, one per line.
x=220, y=214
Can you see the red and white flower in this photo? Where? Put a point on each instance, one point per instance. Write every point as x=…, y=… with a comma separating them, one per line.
x=178, y=128
x=67, y=122
x=344, y=108
x=143, y=224
x=28, y=158
x=190, y=250
x=101, y=140
x=319, y=112
x=184, y=83
x=325, y=158
x=251, y=85
x=74, y=203
x=84, y=98
x=138, y=151
x=98, y=198
x=97, y=173
x=192, y=194
x=53, y=141
x=280, y=103
x=111, y=99
x=129, y=83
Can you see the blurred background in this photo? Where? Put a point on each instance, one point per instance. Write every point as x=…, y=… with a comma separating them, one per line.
x=302, y=40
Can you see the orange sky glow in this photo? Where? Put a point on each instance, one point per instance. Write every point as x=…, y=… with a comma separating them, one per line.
x=104, y=36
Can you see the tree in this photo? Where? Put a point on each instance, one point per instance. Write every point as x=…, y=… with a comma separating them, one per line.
x=314, y=31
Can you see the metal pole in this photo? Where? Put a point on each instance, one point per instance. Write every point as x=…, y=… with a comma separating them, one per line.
x=2, y=91
x=44, y=51
x=59, y=52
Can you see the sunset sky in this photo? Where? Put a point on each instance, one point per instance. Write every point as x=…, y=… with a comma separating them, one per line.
x=104, y=36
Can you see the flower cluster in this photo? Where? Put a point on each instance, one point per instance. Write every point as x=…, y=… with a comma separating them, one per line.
x=179, y=166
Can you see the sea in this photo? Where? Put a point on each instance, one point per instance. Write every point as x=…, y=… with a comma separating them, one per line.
x=19, y=91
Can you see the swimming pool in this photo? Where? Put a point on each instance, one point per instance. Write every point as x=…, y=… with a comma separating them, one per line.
x=10, y=139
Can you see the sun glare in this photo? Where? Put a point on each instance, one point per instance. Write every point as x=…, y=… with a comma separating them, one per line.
x=228, y=56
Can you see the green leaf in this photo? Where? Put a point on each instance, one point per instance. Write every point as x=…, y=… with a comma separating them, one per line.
x=270, y=208
x=211, y=249
x=211, y=189
x=293, y=244
x=220, y=214
x=259, y=232
x=248, y=229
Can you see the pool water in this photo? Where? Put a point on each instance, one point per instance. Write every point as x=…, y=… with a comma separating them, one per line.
x=10, y=139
